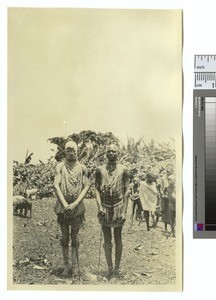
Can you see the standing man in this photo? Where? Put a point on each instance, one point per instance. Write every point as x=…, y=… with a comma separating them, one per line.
x=71, y=185
x=134, y=196
x=171, y=192
x=165, y=200
x=112, y=192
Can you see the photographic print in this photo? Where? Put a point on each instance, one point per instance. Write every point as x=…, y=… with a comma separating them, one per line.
x=94, y=149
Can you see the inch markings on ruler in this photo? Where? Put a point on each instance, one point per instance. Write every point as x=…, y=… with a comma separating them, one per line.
x=204, y=63
x=205, y=72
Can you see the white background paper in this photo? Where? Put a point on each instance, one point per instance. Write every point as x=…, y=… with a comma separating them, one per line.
x=199, y=256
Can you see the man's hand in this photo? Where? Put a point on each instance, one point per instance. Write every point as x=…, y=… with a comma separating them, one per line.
x=70, y=207
x=66, y=206
x=122, y=219
x=100, y=214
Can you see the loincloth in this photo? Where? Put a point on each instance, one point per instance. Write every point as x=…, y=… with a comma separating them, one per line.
x=112, y=215
x=75, y=221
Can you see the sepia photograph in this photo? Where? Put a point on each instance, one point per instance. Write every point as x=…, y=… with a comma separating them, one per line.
x=94, y=149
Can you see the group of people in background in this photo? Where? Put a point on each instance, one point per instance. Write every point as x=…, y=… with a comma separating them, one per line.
x=151, y=194
x=154, y=195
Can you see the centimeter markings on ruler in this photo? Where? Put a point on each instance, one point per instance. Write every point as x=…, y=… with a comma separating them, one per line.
x=205, y=72
x=205, y=80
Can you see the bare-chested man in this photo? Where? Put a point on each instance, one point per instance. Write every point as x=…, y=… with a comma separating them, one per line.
x=112, y=192
x=71, y=185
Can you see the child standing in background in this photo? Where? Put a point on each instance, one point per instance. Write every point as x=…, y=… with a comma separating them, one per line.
x=148, y=196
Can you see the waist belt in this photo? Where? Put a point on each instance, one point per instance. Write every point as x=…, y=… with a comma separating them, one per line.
x=112, y=205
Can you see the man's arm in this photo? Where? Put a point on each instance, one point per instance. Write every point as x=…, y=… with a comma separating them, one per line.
x=84, y=191
x=126, y=190
x=97, y=188
x=57, y=182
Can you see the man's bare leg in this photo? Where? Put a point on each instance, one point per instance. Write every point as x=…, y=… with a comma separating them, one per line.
x=118, y=250
x=146, y=215
x=165, y=226
x=108, y=250
x=74, y=247
x=64, y=244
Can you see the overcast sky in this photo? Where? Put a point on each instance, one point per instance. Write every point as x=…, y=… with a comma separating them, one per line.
x=73, y=70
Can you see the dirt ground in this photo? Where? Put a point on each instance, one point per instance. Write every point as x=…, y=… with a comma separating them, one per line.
x=148, y=256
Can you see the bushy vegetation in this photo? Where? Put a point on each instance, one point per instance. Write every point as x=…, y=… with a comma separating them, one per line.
x=138, y=156
x=28, y=176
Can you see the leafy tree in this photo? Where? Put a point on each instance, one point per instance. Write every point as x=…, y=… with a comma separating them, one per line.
x=139, y=156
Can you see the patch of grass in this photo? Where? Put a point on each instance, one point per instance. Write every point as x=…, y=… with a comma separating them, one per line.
x=38, y=258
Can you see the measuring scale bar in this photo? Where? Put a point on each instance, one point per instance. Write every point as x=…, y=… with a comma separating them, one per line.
x=204, y=146
x=204, y=63
x=205, y=72
x=205, y=80
x=210, y=163
x=204, y=170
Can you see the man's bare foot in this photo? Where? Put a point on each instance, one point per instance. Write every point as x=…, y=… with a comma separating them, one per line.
x=66, y=271
x=74, y=271
x=115, y=276
x=109, y=274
